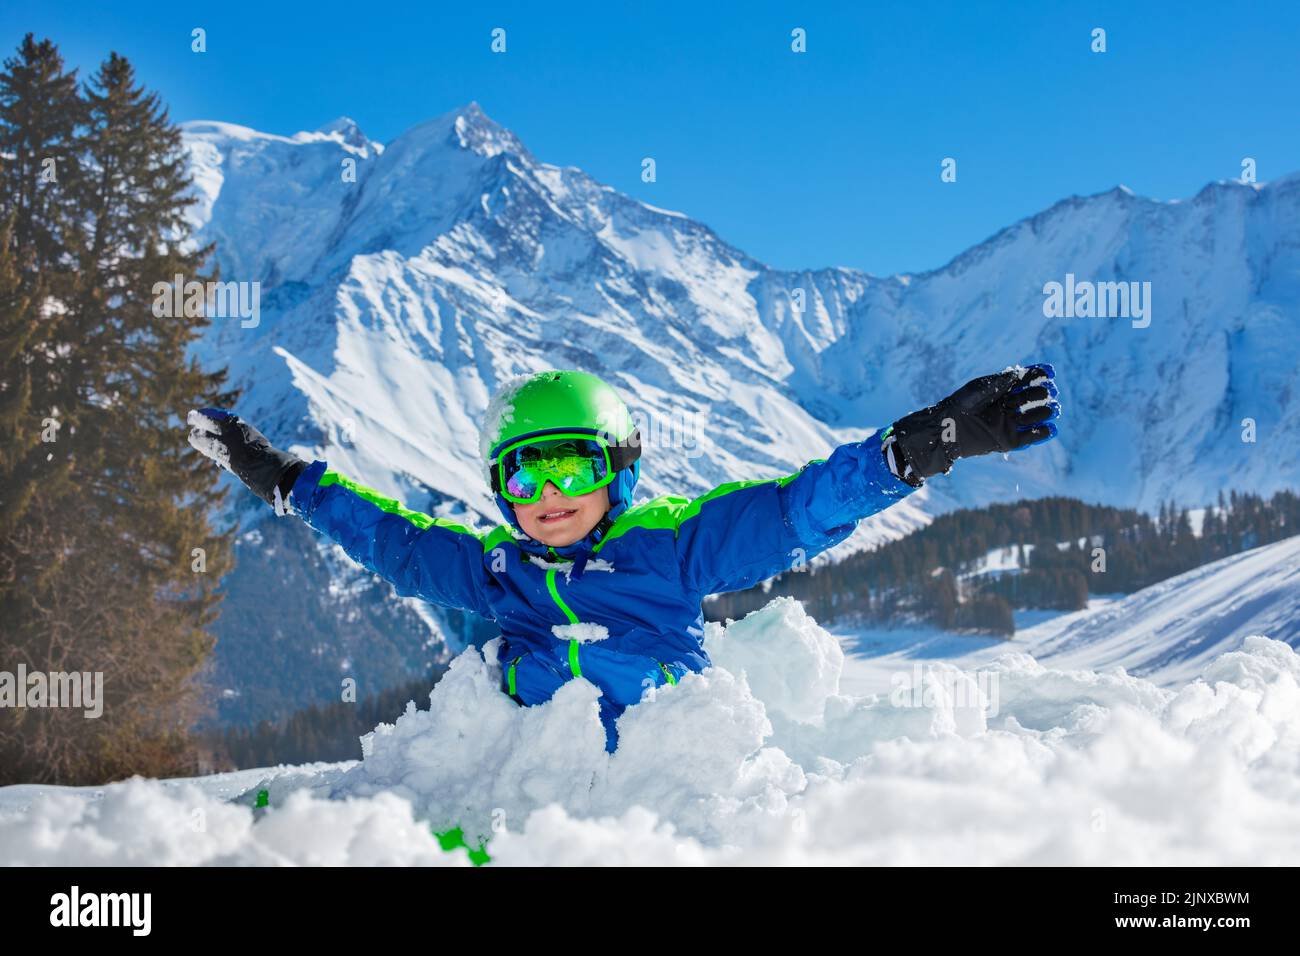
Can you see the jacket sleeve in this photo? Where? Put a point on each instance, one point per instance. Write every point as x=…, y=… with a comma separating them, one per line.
x=746, y=531
x=432, y=558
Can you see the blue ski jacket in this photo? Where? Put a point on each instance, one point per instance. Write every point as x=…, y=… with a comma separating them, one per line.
x=623, y=607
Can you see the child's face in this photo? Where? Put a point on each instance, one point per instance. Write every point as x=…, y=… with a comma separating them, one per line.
x=574, y=516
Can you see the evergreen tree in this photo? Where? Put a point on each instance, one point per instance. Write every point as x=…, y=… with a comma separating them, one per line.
x=104, y=567
x=21, y=334
x=40, y=115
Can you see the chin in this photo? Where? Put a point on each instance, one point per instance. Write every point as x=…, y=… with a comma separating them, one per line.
x=558, y=539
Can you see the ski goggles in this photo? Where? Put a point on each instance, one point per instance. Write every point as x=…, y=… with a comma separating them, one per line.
x=576, y=464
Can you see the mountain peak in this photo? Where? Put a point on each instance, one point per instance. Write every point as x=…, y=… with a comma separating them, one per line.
x=347, y=129
x=470, y=128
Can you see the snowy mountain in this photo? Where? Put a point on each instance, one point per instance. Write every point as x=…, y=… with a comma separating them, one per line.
x=394, y=305
x=401, y=283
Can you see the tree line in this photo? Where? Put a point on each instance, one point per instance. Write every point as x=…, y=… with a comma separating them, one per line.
x=1063, y=550
x=329, y=732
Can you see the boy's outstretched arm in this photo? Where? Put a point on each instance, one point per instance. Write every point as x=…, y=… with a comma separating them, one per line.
x=746, y=531
x=422, y=556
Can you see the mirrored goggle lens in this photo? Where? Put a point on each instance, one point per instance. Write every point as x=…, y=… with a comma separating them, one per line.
x=575, y=466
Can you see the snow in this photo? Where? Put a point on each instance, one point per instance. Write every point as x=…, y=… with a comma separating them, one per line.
x=1172, y=630
x=203, y=432
x=811, y=674
x=498, y=415
x=664, y=212
x=582, y=632
x=1000, y=561
x=771, y=757
x=1196, y=518
x=1167, y=633
x=875, y=653
x=139, y=823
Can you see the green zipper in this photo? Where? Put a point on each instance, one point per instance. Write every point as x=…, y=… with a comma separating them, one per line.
x=574, y=666
x=510, y=678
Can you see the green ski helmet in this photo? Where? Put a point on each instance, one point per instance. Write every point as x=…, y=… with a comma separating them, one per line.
x=564, y=402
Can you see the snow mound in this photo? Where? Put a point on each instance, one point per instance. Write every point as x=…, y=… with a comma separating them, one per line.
x=761, y=760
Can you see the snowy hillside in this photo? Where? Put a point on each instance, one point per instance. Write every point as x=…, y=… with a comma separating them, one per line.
x=1172, y=630
x=762, y=759
x=1168, y=633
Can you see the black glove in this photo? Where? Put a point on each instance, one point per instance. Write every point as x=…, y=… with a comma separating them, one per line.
x=1004, y=412
x=244, y=451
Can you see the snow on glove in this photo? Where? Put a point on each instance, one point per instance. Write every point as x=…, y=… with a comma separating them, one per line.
x=1007, y=411
x=244, y=451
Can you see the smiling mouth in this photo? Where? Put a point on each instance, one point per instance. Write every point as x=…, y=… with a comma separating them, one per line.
x=554, y=516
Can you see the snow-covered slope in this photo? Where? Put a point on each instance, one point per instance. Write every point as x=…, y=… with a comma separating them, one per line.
x=1170, y=631
x=1167, y=633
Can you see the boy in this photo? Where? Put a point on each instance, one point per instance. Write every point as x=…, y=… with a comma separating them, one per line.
x=582, y=582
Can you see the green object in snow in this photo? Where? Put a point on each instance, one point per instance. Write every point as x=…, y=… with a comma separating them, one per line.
x=454, y=839
x=263, y=798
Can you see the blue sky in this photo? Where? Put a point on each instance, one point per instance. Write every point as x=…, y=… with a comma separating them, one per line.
x=831, y=157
